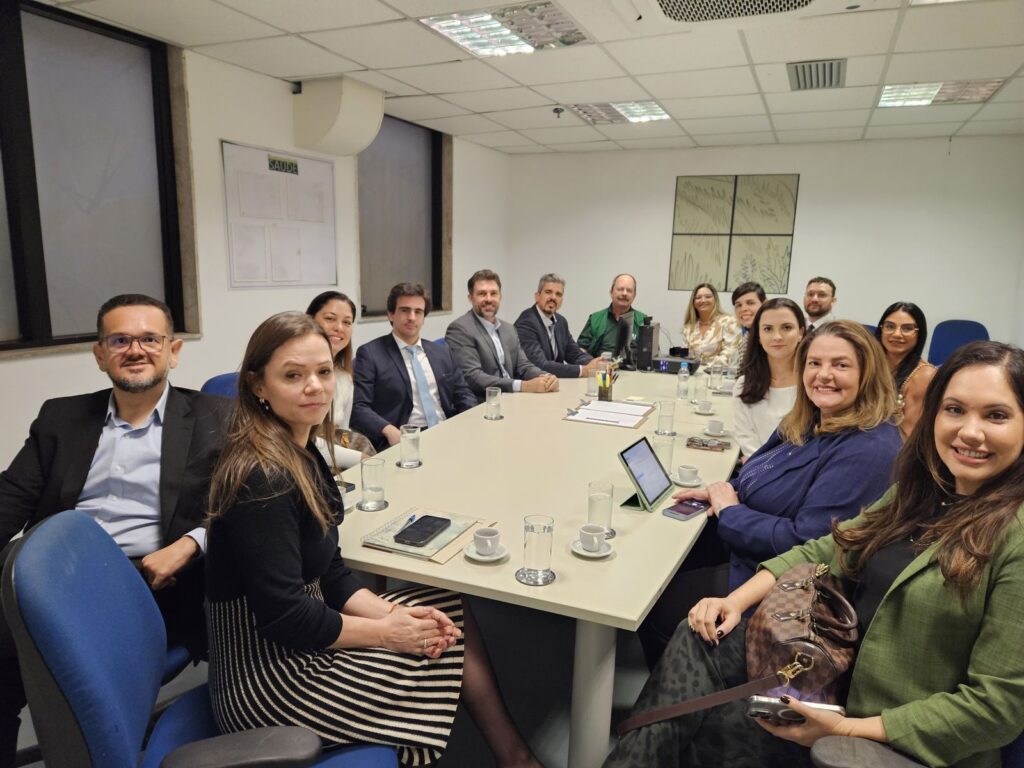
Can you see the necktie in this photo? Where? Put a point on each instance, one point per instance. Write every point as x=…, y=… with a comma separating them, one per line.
x=551, y=336
x=429, y=412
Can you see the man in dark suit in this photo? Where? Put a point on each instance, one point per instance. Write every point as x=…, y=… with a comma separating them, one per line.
x=138, y=458
x=403, y=379
x=544, y=334
x=487, y=349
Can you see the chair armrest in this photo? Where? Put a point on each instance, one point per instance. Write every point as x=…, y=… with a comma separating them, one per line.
x=273, y=747
x=854, y=752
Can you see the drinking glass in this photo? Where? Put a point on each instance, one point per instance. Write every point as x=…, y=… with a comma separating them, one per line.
x=372, y=473
x=715, y=377
x=592, y=382
x=538, y=533
x=666, y=417
x=492, y=410
x=410, y=447
x=663, y=445
x=599, y=506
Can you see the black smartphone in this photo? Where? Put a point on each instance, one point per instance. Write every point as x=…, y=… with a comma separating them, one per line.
x=687, y=509
x=422, y=530
x=777, y=713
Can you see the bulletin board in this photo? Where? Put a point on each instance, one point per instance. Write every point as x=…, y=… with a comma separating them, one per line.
x=280, y=218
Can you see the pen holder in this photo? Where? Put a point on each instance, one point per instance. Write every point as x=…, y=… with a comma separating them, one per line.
x=604, y=385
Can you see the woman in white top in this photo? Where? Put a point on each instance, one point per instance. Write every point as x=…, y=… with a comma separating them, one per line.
x=335, y=313
x=710, y=334
x=767, y=389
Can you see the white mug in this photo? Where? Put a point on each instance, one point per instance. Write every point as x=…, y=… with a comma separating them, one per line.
x=592, y=537
x=687, y=473
x=486, y=541
x=715, y=427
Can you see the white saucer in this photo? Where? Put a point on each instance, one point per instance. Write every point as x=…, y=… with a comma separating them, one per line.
x=704, y=413
x=698, y=483
x=472, y=554
x=709, y=433
x=604, y=551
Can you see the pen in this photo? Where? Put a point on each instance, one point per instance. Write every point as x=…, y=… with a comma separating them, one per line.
x=406, y=525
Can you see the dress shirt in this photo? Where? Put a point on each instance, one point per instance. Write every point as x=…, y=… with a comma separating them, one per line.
x=418, y=418
x=122, y=490
x=813, y=325
x=549, y=325
x=492, y=331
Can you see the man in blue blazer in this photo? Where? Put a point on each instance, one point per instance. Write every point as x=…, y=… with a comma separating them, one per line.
x=544, y=334
x=403, y=379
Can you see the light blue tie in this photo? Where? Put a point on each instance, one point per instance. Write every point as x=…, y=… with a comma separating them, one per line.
x=429, y=412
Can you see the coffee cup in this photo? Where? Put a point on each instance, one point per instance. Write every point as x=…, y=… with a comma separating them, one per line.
x=486, y=541
x=592, y=537
x=704, y=406
x=715, y=427
x=688, y=473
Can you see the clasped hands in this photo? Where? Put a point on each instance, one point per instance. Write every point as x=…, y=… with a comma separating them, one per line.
x=420, y=629
x=719, y=495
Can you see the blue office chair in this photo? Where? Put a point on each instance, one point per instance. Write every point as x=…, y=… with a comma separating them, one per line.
x=91, y=645
x=950, y=334
x=870, y=328
x=224, y=384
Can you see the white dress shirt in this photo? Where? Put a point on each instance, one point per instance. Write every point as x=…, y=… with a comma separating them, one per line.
x=418, y=418
x=492, y=331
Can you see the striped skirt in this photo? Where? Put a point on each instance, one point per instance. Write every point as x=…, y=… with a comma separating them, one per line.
x=362, y=695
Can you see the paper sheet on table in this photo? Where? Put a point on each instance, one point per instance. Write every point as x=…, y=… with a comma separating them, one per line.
x=614, y=406
x=611, y=414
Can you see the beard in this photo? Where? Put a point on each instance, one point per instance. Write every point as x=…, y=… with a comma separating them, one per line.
x=137, y=386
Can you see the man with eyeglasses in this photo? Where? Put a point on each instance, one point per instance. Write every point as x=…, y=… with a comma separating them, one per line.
x=137, y=458
x=819, y=299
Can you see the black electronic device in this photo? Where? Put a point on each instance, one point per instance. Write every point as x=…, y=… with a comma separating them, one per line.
x=778, y=713
x=419, y=532
x=687, y=509
x=647, y=345
x=624, y=343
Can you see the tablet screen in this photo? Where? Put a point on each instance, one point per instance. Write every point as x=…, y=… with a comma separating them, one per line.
x=650, y=477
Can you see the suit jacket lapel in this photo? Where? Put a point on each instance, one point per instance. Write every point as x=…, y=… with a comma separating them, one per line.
x=177, y=436
x=506, y=346
x=479, y=330
x=82, y=437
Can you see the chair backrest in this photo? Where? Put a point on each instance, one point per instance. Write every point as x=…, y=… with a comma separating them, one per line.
x=870, y=328
x=90, y=640
x=223, y=384
x=950, y=334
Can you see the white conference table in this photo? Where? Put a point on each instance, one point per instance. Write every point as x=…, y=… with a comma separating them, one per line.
x=535, y=462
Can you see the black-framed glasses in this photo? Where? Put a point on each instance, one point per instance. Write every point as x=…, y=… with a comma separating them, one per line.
x=906, y=329
x=121, y=342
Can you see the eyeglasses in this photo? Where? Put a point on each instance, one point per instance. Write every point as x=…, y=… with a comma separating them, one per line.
x=906, y=329
x=121, y=342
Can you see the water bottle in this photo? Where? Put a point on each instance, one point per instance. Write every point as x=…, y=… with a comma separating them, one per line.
x=683, y=383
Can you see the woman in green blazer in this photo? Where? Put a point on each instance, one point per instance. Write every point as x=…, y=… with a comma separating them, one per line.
x=936, y=571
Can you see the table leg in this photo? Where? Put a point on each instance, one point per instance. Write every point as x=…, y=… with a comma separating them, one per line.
x=593, y=677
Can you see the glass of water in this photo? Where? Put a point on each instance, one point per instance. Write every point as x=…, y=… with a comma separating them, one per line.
x=492, y=408
x=538, y=533
x=663, y=446
x=410, y=447
x=592, y=382
x=666, y=417
x=372, y=473
x=599, y=506
x=715, y=377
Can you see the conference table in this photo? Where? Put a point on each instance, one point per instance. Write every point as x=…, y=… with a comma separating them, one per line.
x=533, y=461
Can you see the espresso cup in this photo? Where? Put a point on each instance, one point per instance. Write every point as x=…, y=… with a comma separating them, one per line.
x=592, y=537
x=687, y=473
x=704, y=406
x=486, y=541
x=715, y=427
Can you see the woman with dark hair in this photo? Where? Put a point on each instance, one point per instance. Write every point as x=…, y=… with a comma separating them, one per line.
x=766, y=388
x=935, y=570
x=709, y=333
x=294, y=637
x=903, y=332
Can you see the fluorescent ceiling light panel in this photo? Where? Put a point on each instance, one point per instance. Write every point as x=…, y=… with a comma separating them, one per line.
x=936, y=2
x=620, y=112
x=925, y=94
x=516, y=29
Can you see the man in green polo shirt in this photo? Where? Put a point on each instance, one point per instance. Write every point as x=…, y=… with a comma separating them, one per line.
x=601, y=331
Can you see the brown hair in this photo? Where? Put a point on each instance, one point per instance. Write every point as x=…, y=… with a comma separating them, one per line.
x=691, y=311
x=756, y=372
x=876, y=396
x=133, y=300
x=482, y=276
x=258, y=439
x=969, y=528
x=343, y=359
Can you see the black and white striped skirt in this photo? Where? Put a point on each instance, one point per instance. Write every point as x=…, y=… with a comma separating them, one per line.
x=364, y=695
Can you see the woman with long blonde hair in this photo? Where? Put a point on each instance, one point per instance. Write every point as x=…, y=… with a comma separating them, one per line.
x=710, y=333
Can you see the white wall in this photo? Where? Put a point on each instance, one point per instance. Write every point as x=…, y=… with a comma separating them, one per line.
x=232, y=104
x=936, y=222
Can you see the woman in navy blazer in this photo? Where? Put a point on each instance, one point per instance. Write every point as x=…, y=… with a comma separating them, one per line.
x=831, y=456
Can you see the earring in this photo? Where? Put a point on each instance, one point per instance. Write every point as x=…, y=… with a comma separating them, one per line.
x=264, y=405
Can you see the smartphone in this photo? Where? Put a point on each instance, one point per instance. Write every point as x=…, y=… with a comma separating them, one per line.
x=777, y=713
x=348, y=487
x=687, y=509
x=422, y=530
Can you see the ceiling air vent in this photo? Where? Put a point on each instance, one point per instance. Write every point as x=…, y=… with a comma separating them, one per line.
x=711, y=10
x=812, y=75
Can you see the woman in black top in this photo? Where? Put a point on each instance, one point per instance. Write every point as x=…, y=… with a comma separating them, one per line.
x=295, y=639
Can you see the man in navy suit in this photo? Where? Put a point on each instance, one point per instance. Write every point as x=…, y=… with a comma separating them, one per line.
x=403, y=379
x=544, y=334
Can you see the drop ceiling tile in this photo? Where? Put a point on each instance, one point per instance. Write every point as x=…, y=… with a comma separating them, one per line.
x=991, y=127
x=936, y=113
x=714, y=106
x=823, y=100
x=676, y=53
x=860, y=70
x=1011, y=110
x=749, y=124
x=289, y=57
x=920, y=130
x=670, y=143
x=517, y=150
x=538, y=117
x=562, y=135
x=451, y=77
x=558, y=65
x=395, y=44
x=819, y=134
x=387, y=84
x=421, y=108
x=501, y=139
x=493, y=101
x=821, y=37
x=183, y=22
x=594, y=91
x=735, y=139
x=962, y=25
x=655, y=129
x=843, y=118
x=1012, y=90
x=309, y=15
x=709, y=82
x=586, y=146
x=421, y=8
x=458, y=126
x=971, y=64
